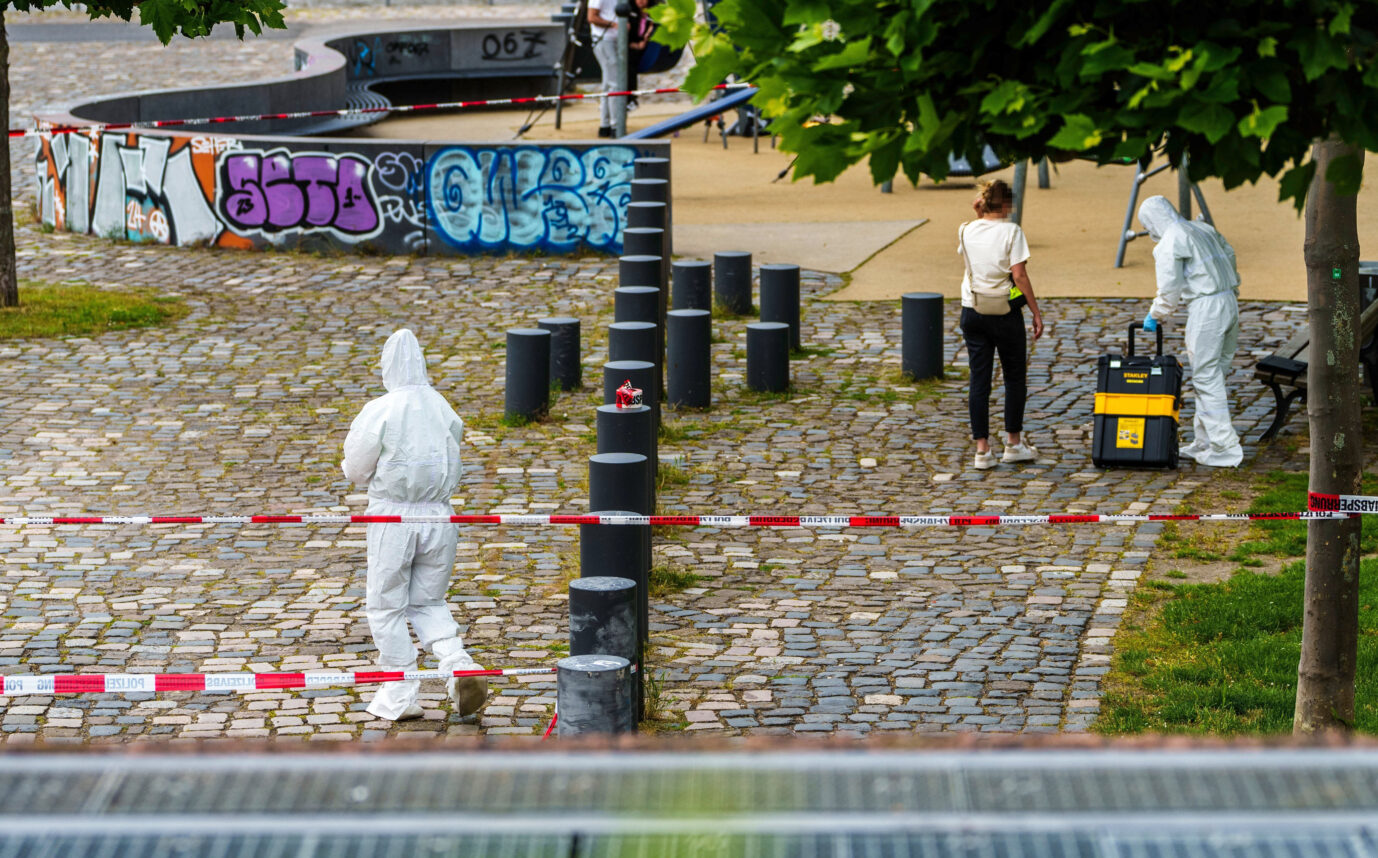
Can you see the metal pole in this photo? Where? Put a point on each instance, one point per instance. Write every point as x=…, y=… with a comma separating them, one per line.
x=1127, y=230
x=1021, y=178
x=619, y=104
x=1043, y=181
x=1183, y=189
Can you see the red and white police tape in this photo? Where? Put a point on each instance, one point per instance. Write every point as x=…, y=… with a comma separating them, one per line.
x=698, y=520
x=99, y=683
x=345, y=111
x=1346, y=504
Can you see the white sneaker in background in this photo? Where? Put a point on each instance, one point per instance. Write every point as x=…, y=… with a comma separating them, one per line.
x=985, y=461
x=1019, y=453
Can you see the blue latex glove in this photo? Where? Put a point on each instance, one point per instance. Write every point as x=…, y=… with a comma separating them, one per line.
x=1150, y=323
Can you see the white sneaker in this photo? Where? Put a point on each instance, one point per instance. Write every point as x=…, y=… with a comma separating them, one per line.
x=984, y=461
x=1019, y=453
x=467, y=692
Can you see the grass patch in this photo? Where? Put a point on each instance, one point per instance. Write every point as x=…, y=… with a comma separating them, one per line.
x=666, y=578
x=80, y=310
x=1221, y=659
x=671, y=475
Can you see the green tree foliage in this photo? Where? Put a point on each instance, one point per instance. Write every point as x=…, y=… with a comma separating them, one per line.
x=168, y=18
x=1243, y=87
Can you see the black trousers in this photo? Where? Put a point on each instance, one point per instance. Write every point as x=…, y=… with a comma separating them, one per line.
x=986, y=337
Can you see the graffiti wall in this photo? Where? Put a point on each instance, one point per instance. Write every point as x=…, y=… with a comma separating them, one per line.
x=397, y=198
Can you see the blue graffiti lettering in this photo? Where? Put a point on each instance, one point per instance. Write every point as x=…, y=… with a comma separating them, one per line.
x=555, y=199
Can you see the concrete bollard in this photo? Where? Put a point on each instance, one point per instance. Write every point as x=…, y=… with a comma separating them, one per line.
x=647, y=167
x=623, y=481
x=636, y=304
x=693, y=284
x=566, y=372
x=640, y=271
x=649, y=241
x=780, y=298
x=602, y=621
x=689, y=360
x=732, y=281
x=620, y=481
x=654, y=215
x=527, y=395
x=623, y=551
x=594, y=696
x=629, y=430
x=642, y=374
x=634, y=341
x=650, y=190
x=767, y=357
x=922, y=335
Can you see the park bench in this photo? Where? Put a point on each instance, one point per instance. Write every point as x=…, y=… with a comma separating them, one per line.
x=1286, y=368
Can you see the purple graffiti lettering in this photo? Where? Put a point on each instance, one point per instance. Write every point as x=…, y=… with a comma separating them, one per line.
x=286, y=202
x=281, y=191
x=357, y=212
x=318, y=175
x=245, y=204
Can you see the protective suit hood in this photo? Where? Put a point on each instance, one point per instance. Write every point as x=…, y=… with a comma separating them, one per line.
x=1157, y=214
x=403, y=363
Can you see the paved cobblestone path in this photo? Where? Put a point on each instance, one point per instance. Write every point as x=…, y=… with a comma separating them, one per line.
x=242, y=407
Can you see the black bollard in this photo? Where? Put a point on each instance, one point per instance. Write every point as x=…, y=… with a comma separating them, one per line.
x=689, y=364
x=767, y=357
x=653, y=215
x=527, y=395
x=566, y=372
x=602, y=620
x=594, y=695
x=623, y=551
x=636, y=304
x=732, y=281
x=639, y=271
x=634, y=341
x=922, y=335
x=693, y=288
x=642, y=374
x=647, y=167
x=780, y=298
x=649, y=241
x=620, y=481
x=650, y=190
x=629, y=430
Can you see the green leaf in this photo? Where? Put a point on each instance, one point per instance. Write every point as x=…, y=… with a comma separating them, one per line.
x=1340, y=23
x=1319, y=53
x=1271, y=81
x=1346, y=173
x=676, y=20
x=1262, y=123
x=1043, y=24
x=806, y=13
x=1078, y=132
x=1103, y=57
x=1007, y=97
x=1267, y=47
x=885, y=159
x=1295, y=184
x=715, y=59
x=895, y=33
x=852, y=54
x=1211, y=120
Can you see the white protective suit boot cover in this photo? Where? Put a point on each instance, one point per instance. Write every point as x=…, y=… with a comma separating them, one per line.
x=1211, y=338
x=466, y=692
x=392, y=699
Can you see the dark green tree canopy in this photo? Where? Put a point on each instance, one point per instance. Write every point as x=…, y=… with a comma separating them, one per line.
x=1243, y=87
x=168, y=18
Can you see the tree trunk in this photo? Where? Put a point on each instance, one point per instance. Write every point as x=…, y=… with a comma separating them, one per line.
x=9, y=272
x=1330, y=631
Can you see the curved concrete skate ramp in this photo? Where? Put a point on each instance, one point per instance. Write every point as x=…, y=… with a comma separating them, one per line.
x=267, y=183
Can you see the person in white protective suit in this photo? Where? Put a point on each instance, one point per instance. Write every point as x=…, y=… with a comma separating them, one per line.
x=405, y=447
x=1195, y=266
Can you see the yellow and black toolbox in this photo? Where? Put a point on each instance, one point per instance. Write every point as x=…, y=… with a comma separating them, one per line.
x=1137, y=404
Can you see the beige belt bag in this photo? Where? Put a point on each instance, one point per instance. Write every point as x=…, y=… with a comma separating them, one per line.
x=984, y=301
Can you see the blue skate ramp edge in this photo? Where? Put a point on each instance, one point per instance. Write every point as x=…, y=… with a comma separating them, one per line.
x=735, y=98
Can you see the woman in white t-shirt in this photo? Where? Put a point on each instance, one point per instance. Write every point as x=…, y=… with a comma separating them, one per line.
x=995, y=254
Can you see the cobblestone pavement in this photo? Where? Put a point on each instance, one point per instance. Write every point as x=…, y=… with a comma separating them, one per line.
x=242, y=406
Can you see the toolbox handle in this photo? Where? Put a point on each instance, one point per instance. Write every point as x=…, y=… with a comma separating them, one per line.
x=1138, y=326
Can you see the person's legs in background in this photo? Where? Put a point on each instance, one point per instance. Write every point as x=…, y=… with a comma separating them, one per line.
x=981, y=359
x=432, y=619
x=1211, y=338
x=605, y=50
x=1011, y=342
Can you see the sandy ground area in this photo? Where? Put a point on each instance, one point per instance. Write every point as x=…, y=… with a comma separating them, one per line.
x=731, y=199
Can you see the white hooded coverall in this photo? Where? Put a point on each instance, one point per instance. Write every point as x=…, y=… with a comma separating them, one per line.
x=1195, y=266
x=405, y=447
